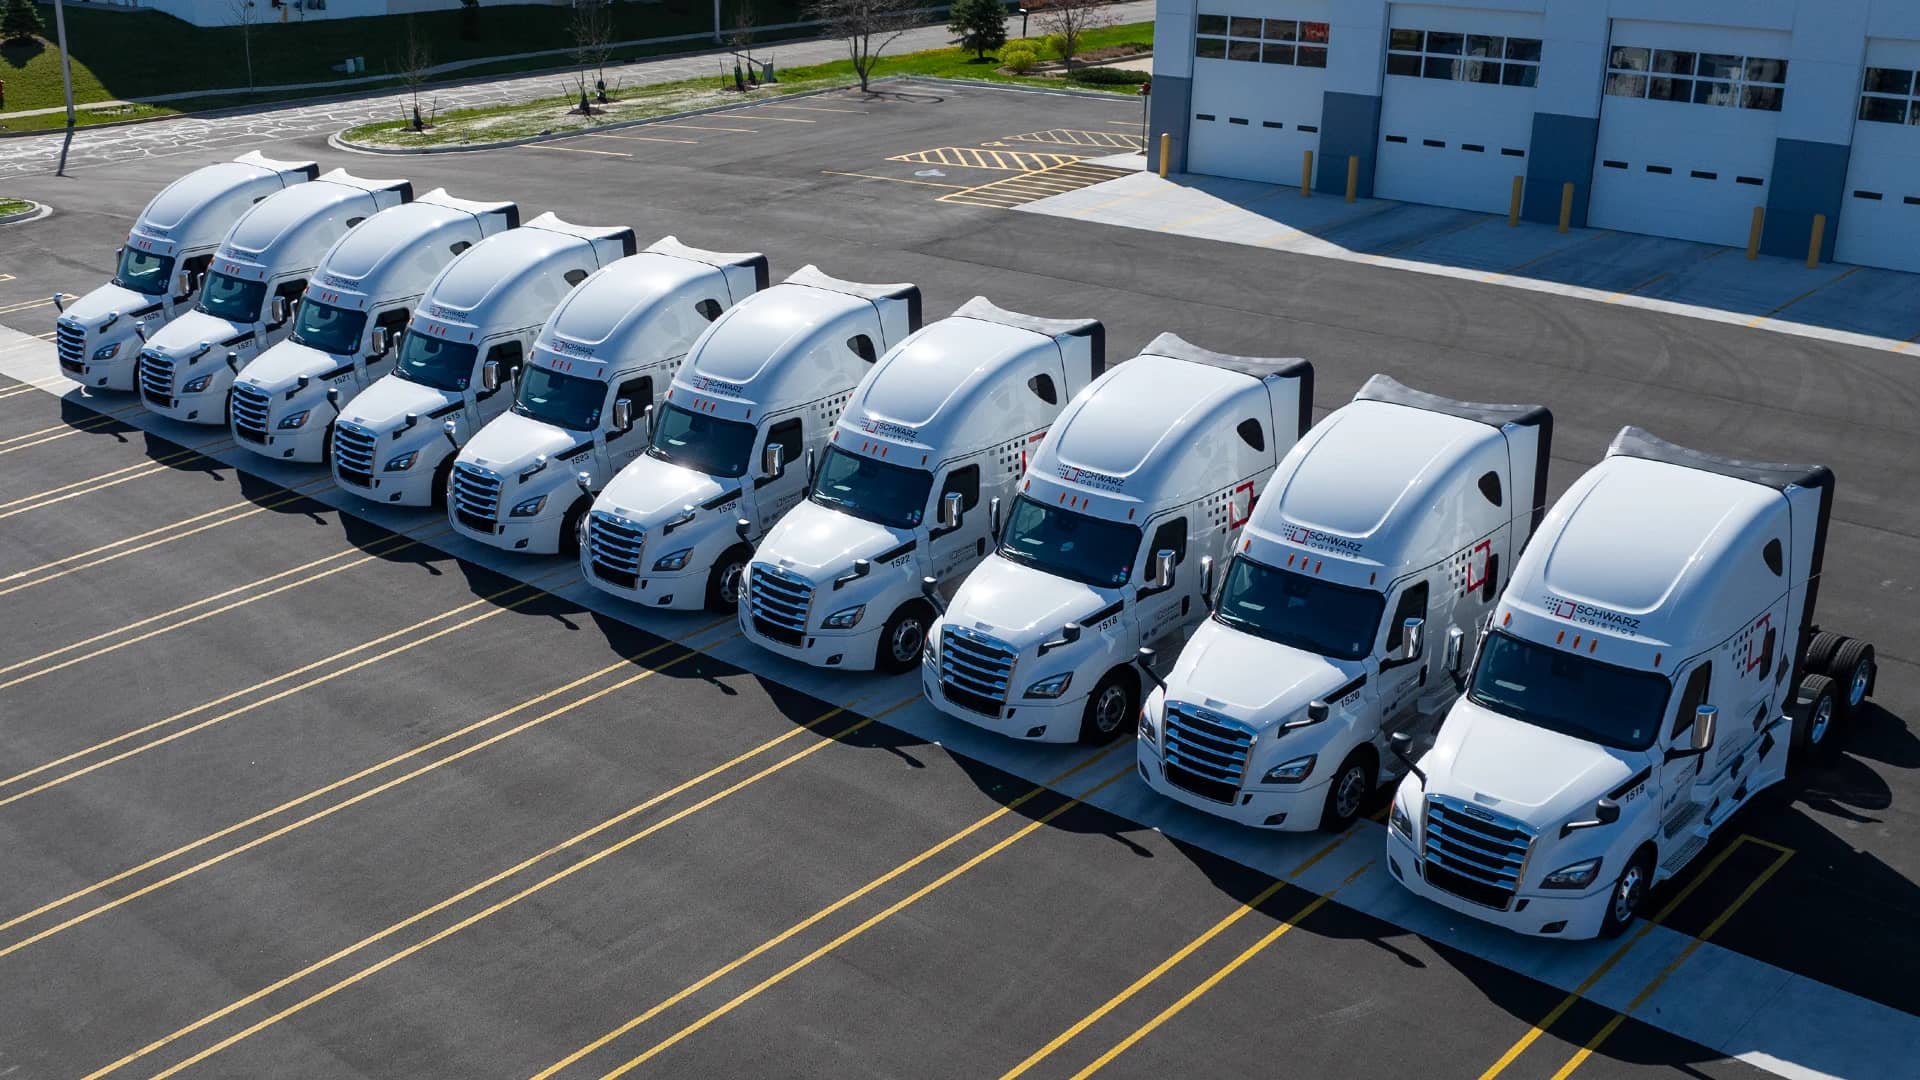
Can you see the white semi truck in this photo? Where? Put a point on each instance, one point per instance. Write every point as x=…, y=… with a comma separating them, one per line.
x=1139, y=490
x=1652, y=667
x=735, y=440
x=1399, y=509
x=252, y=290
x=355, y=308
x=159, y=270
x=456, y=367
x=912, y=485
x=603, y=361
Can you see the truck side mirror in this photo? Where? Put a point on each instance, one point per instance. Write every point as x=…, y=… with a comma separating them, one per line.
x=59, y=301
x=1069, y=634
x=1456, y=648
x=993, y=512
x=622, y=415
x=1206, y=581
x=490, y=376
x=1606, y=811
x=773, y=461
x=333, y=398
x=741, y=527
x=585, y=480
x=1401, y=744
x=452, y=431
x=1162, y=576
x=930, y=588
x=277, y=310
x=647, y=415
x=1317, y=711
x=233, y=362
x=382, y=341
x=861, y=568
x=1413, y=640
x=1704, y=719
x=182, y=285
x=950, y=514
x=410, y=419
x=1143, y=658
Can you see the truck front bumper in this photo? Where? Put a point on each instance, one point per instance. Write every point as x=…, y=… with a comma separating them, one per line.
x=1289, y=810
x=114, y=374
x=409, y=487
x=1575, y=916
x=685, y=590
x=1056, y=721
x=840, y=649
x=534, y=535
x=306, y=443
x=207, y=407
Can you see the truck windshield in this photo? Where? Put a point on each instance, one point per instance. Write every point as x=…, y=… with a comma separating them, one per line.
x=231, y=298
x=1071, y=545
x=327, y=328
x=872, y=489
x=143, y=271
x=1571, y=694
x=554, y=397
x=703, y=443
x=430, y=361
x=1306, y=613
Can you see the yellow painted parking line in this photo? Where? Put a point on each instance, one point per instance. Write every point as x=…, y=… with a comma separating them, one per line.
x=1172, y=961
x=971, y=157
x=557, y=876
x=709, y=127
x=1214, y=979
x=572, y=149
x=111, y=479
x=1110, y=140
x=806, y=108
x=30, y=387
x=1780, y=859
x=82, y=427
x=893, y=179
x=640, y=138
x=25, y=305
x=1835, y=280
x=98, y=420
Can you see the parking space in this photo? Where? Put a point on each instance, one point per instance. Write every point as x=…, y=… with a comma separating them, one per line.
x=296, y=785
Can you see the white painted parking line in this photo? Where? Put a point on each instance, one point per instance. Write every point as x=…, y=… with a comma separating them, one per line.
x=640, y=138
x=573, y=149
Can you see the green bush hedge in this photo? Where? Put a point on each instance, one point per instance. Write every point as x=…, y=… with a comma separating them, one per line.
x=1107, y=76
x=1018, y=60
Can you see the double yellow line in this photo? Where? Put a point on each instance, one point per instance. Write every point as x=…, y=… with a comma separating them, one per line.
x=96, y=422
x=112, y=478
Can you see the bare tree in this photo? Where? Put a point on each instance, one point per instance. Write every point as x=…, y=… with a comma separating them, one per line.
x=1066, y=22
x=245, y=14
x=867, y=26
x=592, y=30
x=415, y=63
x=740, y=32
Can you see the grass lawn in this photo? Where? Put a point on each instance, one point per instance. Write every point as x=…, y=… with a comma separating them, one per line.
x=502, y=122
x=131, y=54
x=12, y=206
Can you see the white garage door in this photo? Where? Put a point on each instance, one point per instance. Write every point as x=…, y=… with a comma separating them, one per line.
x=1880, y=214
x=1687, y=129
x=1456, y=114
x=1257, y=86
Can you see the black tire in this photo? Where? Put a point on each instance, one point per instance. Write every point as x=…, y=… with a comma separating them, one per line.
x=902, y=639
x=442, y=476
x=570, y=526
x=1112, y=709
x=326, y=447
x=1853, y=670
x=1816, y=718
x=723, y=583
x=1629, y=894
x=1820, y=652
x=1349, y=790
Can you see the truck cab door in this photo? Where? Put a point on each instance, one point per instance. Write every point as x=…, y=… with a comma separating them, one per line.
x=289, y=291
x=394, y=322
x=623, y=446
x=951, y=552
x=491, y=403
x=1162, y=613
x=1678, y=807
x=1401, y=680
x=773, y=496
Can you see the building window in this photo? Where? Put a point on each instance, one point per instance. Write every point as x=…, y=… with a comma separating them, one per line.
x=1746, y=82
x=1480, y=58
x=1261, y=41
x=1887, y=96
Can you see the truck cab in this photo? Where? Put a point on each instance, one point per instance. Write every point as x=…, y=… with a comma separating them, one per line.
x=586, y=400
x=352, y=315
x=1649, y=670
x=734, y=442
x=252, y=291
x=1374, y=554
x=457, y=365
x=159, y=270
x=1140, y=489
x=912, y=485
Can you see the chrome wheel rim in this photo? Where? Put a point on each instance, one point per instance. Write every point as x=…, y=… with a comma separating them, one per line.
x=1857, y=689
x=1110, y=710
x=908, y=639
x=1349, y=792
x=1626, y=897
x=730, y=584
x=1822, y=719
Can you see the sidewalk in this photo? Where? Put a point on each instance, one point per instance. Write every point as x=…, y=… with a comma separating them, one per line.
x=1856, y=305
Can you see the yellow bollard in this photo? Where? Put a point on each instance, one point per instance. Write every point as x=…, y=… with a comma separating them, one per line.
x=1566, y=205
x=1353, y=177
x=1306, y=175
x=1753, y=232
x=1813, y=243
x=1513, y=201
x=1166, y=151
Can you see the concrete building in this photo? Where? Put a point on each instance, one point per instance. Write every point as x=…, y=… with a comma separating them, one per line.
x=1671, y=117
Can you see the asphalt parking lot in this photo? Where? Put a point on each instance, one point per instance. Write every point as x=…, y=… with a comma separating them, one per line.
x=292, y=790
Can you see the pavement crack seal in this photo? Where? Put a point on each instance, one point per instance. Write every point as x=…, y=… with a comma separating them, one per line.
x=580, y=864
x=352, y=800
x=825, y=912
x=112, y=478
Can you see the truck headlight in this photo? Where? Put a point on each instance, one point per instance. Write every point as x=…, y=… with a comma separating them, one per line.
x=294, y=420
x=673, y=560
x=1577, y=876
x=194, y=386
x=1290, y=772
x=528, y=507
x=1051, y=687
x=1398, y=821
x=844, y=619
x=107, y=352
x=400, y=462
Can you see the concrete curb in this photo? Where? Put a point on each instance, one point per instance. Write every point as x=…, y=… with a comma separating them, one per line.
x=34, y=212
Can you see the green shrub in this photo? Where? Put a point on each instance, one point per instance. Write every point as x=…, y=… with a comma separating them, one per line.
x=1106, y=76
x=1055, y=44
x=1018, y=60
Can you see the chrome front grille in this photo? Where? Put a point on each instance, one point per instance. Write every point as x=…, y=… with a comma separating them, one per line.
x=71, y=341
x=613, y=549
x=1474, y=853
x=1204, y=753
x=778, y=603
x=353, y=453
x=250, y=406
x=976, y=671
x=156, y=379
x=475, y=497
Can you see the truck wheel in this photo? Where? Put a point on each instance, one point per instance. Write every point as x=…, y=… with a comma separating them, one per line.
x=1628, y=896
x=570, y=526
x=723, y=584
x=1820, y=652
x=1853, y=669
x=903, y=637
x=1816, y=718
x=1348, y=792
x=326, y=447
x=1113, y=705
x=442, y=476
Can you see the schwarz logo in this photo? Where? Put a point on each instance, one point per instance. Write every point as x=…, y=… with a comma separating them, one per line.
x=716, y=386
x=1104, y=481
x=1588, y=615
x=887, y=429
x=1320, y=541
x=571, y=348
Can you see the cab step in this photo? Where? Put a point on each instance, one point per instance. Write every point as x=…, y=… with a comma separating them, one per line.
x=1692, y=813
x=1683, y=854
